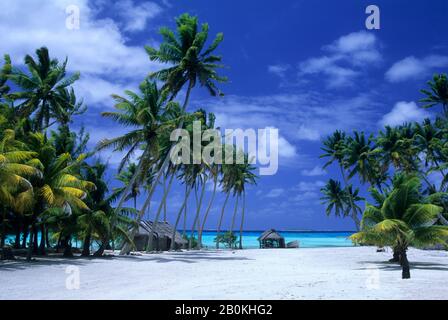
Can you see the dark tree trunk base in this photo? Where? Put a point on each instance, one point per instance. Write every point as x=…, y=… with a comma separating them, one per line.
x=406, y=273
x=7, y=254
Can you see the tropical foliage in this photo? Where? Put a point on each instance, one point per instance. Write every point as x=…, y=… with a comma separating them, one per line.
x=404, y=168
x=54, y=191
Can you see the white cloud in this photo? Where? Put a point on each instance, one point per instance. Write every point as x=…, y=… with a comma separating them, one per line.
x=314, y=172
x=306, y=133
x=136, y=16
x=275, y=193
x=403, y=112
x=97, y=91
x=279, y=69
x=344, y=59
x=98, y=49
x=305, y=186
x=413, y=68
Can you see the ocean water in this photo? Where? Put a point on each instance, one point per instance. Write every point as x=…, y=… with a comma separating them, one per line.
x=307, y=239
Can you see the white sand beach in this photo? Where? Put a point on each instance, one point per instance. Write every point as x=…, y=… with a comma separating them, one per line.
x=319, y=273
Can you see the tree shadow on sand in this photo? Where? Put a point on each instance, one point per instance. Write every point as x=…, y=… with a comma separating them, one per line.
x=186, y=257
x=392, y=266
x=167, y=257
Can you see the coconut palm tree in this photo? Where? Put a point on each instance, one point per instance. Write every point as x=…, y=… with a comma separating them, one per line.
x=341, y=201
x=405, y=218
x=125, y=177
x=44, y=89
x=59, y=190
x=245, y=177
x=361, y=159
x=188, y=59
x=150, y=117
x=96, y=222
x=437, y=93
x=335, y=147
x=14, y=174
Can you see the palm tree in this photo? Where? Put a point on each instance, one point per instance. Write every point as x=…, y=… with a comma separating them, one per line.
x=14, y=174
x=361, y=159
x=125, y=177
x=335, y=148
x=396, y=148
x=96, y=222
x=405, y=218
x=190, y=62
x=45, y=89
x=59, y=189
x=245, y=177
x=437, y=93
x=151, y=118
x=341, y=201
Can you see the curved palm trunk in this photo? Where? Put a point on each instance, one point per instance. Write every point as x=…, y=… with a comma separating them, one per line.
x=218, y=230
x=159, y=173
x=396, y=255
x=131, y=183
x=212, y=199
x=184, y=232
x=127, y=246
x=164, y=204
x=184, y=204
x=242, y=220
x=406, y=273
x=235, y=211
x=196, y=218
x=150, y=245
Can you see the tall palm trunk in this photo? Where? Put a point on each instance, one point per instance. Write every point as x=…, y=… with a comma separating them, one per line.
x=131, y=182
x=159, y=173
x=164, y=204
x=212, y=199
x=235, y=211
x=43, y=240
x=242, y=220
x=3, y=237
x=406, y=274
x=86, y=244
x=184, y=232
x=184, y=204
x=196, y=218
x=127, y=246
x=30, y=245
x=352, y=203
x=218, y=230
x=150, y=245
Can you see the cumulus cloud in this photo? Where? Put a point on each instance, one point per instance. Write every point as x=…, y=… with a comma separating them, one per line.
x=403, y=112
x=98, y=49
x=344, y=59
x=411, y=68
x=136, y=16
x=279, y=69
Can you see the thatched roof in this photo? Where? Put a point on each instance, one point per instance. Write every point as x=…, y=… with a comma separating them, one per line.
x=163, y=229
x=270, y=234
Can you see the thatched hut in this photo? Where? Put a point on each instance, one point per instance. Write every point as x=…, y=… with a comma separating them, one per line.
x=271, y=239
x=162, y=236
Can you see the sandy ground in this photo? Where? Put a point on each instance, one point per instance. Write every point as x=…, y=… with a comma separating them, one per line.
x=330, y=273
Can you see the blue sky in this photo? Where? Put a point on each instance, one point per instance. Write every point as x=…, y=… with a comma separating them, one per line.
x=305, y=67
